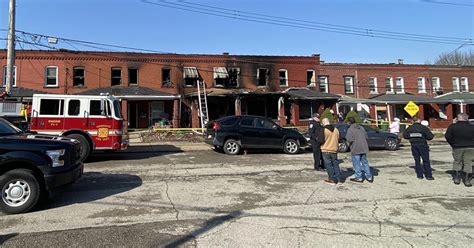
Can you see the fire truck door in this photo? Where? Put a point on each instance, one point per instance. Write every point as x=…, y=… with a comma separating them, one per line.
x=50, y=117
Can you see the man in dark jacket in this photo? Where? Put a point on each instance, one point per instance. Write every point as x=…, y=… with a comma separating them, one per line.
x=357, y=138
x=418, y=135
x=316, y=134
x=460, y=136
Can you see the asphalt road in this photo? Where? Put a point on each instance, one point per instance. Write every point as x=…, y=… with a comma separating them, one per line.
x=162, y=196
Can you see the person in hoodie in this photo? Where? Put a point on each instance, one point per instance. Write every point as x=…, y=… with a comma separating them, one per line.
x=460, y=136
x=418, y=135
x=329, y=151
x=357, y=138
x=316, y=134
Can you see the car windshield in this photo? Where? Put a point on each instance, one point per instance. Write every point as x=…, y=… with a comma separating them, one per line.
x=6, y=128
x=117, y=109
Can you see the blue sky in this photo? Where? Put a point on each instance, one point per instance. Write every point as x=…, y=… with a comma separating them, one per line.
x=134, y=23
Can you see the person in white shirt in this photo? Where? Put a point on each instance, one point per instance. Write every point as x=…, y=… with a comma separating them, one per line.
x=395, y=126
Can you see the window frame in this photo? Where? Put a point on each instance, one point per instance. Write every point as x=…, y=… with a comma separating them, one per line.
x=423, y=84
x=267, y=76
x=390, y=81
x=455, y=82
x=55, y=76
x=352, y=90
x=137, y=76
x=461, y=84
x=237, y=76
x=169, y=82
x=74, y=76
x=284, y=79
x=438, y=83
x=112, y=69
x=326, y=83
x=375, y=86
x=4, y=80
x=312, y=81
x=402, y=85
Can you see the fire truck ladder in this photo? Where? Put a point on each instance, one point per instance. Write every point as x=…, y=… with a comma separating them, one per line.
x=202, y=98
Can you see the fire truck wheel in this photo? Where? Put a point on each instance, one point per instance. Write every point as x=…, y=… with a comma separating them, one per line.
x=85, y=146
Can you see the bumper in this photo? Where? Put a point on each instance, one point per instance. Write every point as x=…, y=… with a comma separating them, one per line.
x=58, y=179
x=213, y=141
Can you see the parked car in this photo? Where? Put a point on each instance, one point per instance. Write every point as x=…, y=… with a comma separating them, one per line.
x=32, y=164
x=234, y=133
x=376, y=138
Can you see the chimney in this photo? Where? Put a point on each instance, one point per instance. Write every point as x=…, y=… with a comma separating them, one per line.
x=400, y=61
x=225, y=53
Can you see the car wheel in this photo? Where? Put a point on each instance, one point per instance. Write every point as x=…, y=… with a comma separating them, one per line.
x=20, y=191
x=391, y=144
x=85, y=146
x=291, y=146
x=231, y=147
x=343, y=146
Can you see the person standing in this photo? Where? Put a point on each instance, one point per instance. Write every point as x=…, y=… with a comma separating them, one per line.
x=329, y=152
x=418, y=136
x=357, y=138
x=316, y=134
x=460, y=136
x=395, y=126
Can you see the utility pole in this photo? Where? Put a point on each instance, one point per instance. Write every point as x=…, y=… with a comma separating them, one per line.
x=11, y=49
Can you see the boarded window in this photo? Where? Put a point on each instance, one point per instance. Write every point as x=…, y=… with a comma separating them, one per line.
x=74, y=107
x=78, y=76
x=132, y=76
x=116, y=76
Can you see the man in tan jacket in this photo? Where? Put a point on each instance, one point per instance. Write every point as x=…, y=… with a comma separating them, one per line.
x=329, y=152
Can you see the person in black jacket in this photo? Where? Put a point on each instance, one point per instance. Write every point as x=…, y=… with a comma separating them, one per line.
x=316, y=134
x=418, y=135
x=460, y=136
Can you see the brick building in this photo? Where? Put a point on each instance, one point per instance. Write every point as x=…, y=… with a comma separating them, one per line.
x=157, y=87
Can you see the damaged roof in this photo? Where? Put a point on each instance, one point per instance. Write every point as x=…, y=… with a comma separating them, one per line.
x=307, y=94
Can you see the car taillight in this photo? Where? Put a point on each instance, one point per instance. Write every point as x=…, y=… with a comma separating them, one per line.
x=216, y=126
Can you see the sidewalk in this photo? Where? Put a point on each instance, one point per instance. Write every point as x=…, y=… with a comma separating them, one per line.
x=168, y=146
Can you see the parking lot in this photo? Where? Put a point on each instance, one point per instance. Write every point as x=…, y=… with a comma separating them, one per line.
x=167, y=195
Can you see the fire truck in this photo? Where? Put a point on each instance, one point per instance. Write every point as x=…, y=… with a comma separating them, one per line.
x=95, y=121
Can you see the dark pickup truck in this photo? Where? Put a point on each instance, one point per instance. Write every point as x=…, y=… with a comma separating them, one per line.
x=32, y=164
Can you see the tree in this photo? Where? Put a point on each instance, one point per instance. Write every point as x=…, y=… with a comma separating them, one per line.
x=327, y=114
x=456, y=58
x=353, y=114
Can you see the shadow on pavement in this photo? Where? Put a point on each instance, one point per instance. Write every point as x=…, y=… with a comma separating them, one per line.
x=134, y=153
x=4, y=238
x=90, y=187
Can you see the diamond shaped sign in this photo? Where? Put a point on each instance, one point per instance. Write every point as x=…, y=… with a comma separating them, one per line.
x=411, y=108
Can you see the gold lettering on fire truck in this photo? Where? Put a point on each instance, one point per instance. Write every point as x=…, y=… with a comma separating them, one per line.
x=54, y=123
x=103, y=133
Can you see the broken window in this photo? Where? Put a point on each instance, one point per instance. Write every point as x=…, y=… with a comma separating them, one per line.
x=132, y=76
x=116, y=76
x=283, y=77
x=221, y=76
x=234, y=76
x=78, y=76
x=311, y=78
x=262, y=77
x=191, y=76
x=166, y=77
x=51, y=76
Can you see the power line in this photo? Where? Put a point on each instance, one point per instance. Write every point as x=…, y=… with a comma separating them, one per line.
x=274, y=20
x=448, y=3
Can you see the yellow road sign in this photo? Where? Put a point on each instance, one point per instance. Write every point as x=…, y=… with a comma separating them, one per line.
x=411, y=108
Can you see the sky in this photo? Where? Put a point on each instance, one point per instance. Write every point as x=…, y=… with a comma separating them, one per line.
x=280, y=29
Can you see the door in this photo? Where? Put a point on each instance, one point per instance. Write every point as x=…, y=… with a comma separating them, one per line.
x=249, y=133
x=269, y=133
x=49, y=118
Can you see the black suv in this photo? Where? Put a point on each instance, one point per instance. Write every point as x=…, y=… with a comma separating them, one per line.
x=32, y=164
x=234, y=133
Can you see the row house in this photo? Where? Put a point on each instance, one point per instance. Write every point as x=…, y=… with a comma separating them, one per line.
x=162, y=88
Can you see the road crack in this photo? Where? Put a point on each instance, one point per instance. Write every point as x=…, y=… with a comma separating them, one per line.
x=171, y=202
x=374, y=215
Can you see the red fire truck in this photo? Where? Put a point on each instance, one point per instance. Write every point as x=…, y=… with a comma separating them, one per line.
x=95, y=121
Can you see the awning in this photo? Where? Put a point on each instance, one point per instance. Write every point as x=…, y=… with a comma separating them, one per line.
x=346, y=100
x=456, y=97
x=220, y=72
x=190, y=72
x=390, y=98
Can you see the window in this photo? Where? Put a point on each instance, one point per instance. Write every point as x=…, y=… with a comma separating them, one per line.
x=74, y=107
x=373, y=85
x=51, y=107
x=229, y=122
x=399, y=85
x=247, y=122
x=464, y=85
x=436, y=84
x=166, y=77
x=78, y=77
x=264, y=123
x=234, y=76
x=5, y=76
x=99, y=107
x=389, y=85
x=421, y=85
x=116, y=76
x=262, y=77
x=191, y=76
x=132, y=76
x=349, y=85
x=311, y=78
x=283, y=77
x=221, y=76
x=323, y=83
x=455, y=84
x=51, y=76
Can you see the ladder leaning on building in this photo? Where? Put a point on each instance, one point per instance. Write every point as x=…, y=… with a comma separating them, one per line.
x=202, y=99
